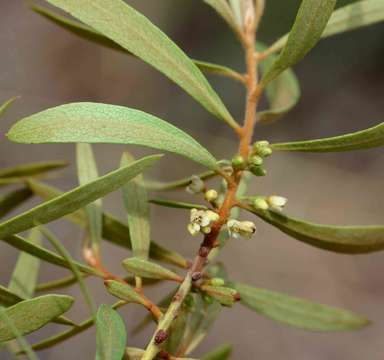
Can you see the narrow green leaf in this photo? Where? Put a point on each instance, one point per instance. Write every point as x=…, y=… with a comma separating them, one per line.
x=60, y=283
x=31, y=315
x=6, y=105
x=283, y=93
x=365, y=139
x=87, y=33
x=25, y=275
x=298, y=312
x=350, y=17
x=147, y=269
x=136, y=204
x=310, y=23
x=121, y=23
x=111, y=334
x=102, y=123
x=176, y=204
x=223, y=352
x=123, y=291
x=75, y=199
x=33, y=169
x=236, y=8
x=13, y=199
x=113, y=230
x=43, y=254
x=225, y=11
x=7, y=297
x=87, y=172
x=341, y=239
x=224, y=295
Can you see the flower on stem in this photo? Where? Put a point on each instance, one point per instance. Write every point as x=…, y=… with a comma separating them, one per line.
x=276, y=202
x=243, y=229
x=262, y=148
x=201, y=221
x=211, y=195
x=196, y=185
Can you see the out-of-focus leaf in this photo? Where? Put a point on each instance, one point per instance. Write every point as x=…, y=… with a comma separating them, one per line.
x=310, y=23
x=224, y=295
x=6, y=105
x=87, y=33
x=75, y=199
x=33, y=169
x=341, y=239
x=283, y=93
x=113, y=230
x=176, y=204
x=24, y=278
x=365, y=139
x=43, y=254
x=111, y=334
x=121, y=23
x=298, y=312
x=225, y=11
x=349, y=17
x=13, y=199
x=31, y=315
x=147, y=269
x=136, y=204
x=123, y=292
x=88, y=122
x=223, y=352
x=87, y=172
x=236, y=8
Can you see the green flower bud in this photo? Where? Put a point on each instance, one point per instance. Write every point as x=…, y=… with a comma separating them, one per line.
x=239, y=163
x=256, y=160
x=217, y=282
x=260, y=203
x=211, y=195
x=265, y=151
x=208, y=299
x=189, y=302
x=258, y=171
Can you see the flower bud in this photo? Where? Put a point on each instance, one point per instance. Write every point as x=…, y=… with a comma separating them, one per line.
x=262, y=148
x=239, y=163
x=217, y=282
x=256, y=160
x=211, y=195
x=258, y=170
x=196, y=185
x=277, y=202
x=260, y=203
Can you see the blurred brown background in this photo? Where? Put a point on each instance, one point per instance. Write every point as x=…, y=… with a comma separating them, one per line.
x=343, y=87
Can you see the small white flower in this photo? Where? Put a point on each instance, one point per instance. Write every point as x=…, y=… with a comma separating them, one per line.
x=277, y=202
x=201, y=220
x=196, y=185
x=241, y=228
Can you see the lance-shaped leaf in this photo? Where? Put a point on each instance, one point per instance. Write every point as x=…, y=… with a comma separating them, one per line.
x=124, y=292
x=75, y=199
x=346, y=18
x=283, y=93
x=236, y=8
x=310, y=22
x=298, y=312
x=365, y=139
x=113, y=230
x=177, y=204
x=43, y=254
x=136, y=204
x=111, y=334
x=13, y=199
x=121, y=23
x=33, y=169
x=87, y=172
x=103, y=123
x=6, y=105
x=224, y=295
x=25, y=275
x=223, y=352
x=87, y=33
x=341, y=239
x=31, y=315
x=147, y=269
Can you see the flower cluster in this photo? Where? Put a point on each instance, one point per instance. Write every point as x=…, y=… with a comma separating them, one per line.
x=244, y=229
x=201, y=221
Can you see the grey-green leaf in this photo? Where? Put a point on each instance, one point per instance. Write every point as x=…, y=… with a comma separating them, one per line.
x=341, y=239
x=121, y=23
x=87, y=172
x=224, y=295
x=147, y=269
x=13, y=199
x=310, y=23
x=25, y=275
x=223, y=352
x=177, y=204
x=102, y=123
x=365, y=139
x=32, y=169
x=298, y=312
x=123, y=291
x=6, y=105
x=283, y=93
x=111, y=334
x=136, y=204
x=31, y=315
x=75, y=199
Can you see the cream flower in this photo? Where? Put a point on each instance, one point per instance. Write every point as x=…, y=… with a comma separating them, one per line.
x=277, y=202
x=196, y=185
x=244, y=229
x=201, y=220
